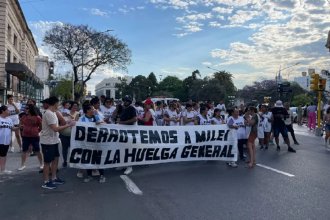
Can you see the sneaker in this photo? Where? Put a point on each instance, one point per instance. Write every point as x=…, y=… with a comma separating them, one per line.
x=290, y=149
x=88, y=179
x=58, y=181
x=266, y=148
x=7, y=172
x=33, y=154
x=278, y=148
x=41, y=167
x=232, y=164
x=95, y=173
x=102, y=179
x=128, y=170
x=12, y=149
x=21, y=168
x=49, y=185
x=80, y=174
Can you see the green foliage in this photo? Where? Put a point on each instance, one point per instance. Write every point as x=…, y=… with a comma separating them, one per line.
x=302, y=99
x=63, y=89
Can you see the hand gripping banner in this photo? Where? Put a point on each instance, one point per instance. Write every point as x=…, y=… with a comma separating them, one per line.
x=109, y=145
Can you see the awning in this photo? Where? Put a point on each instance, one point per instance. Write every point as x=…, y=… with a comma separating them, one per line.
x=23, y=73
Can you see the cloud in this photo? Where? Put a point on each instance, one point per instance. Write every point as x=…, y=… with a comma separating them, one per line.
x=98, y=12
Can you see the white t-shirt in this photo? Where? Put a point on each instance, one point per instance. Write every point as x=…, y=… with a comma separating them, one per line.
x=47, y=134
x=288, y=120
x=204, y=121
x=241, y=131
x=261, y=131
x=12, y=113
x=267, y=124
x=6, y=124
x=173, y=114
x=189, y=115
x=107, y=112
x=216, y=121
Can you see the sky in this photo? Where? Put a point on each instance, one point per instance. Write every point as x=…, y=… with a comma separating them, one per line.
x=251, y=39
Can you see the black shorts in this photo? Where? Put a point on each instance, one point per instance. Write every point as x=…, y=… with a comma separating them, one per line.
x=50, y=152
x=27, y=141
x=3, y=150
x=280, y=129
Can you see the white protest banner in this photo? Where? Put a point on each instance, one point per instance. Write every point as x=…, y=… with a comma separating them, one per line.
x=108, y=145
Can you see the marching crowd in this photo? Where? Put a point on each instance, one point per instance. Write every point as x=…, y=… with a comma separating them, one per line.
x=40, y=131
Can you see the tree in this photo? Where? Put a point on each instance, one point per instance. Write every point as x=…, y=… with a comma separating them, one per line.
x=86, y=49
x=63, y=89
x=195, y=73
x=153, y=83
x=226, y=79
x=170, y=86
x=140, y=87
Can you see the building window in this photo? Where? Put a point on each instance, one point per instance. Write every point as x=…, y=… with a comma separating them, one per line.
x=8, y=56
x=15, y=41
x=15, y=59
x=107, y=93
x=9, y=33
x=107, y=84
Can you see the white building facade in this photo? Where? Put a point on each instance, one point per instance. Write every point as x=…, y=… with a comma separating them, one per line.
x=305, y=79
x=107, y=86
x=17, y=53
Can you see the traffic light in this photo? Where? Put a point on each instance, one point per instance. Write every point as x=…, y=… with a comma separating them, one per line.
x=51, y=67
x=322, y=84
x=314, y=85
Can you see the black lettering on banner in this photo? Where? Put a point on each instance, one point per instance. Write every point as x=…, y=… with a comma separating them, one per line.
x=201, y=151
x=173, y=137
x=103, y=134
x=224, y=151
x=173, y=154
x=74, y=157
x=200, y=137
x=216, y=151
x=149, y=154
x=133, y=133
x=226, y=135
x=220, y=135
x=80, y=133
x=185, y=151
x=154, y=137
x=96, y=157
x=123, y=138
x=140, y=153
x=194, y=151
x=116, y=157
x=208, y=151
x=187, y=139
x=129, y=155
x=156, y=156
x=113, y=137
x=91, y=134
x=86, y=156
x=229, y=154
x=107, y=158
x=165, y=153
x=165, y=137
x=208, y=137
x=144, y=137
x=213, y=136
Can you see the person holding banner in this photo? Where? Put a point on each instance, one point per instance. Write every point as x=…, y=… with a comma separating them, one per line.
x=49, y=140
x=217, y=118
x=203, y=118
x=189, y=116
x=147, y=118
x=107, y=110
x=90, y=115
x=128, y=117
x=171, y=115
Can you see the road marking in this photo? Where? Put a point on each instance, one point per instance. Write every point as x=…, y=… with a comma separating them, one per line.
x=275, y=170
x=130, y=185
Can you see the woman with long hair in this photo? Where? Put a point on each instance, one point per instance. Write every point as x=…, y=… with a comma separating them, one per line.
x=30, y=124
x=253, y=122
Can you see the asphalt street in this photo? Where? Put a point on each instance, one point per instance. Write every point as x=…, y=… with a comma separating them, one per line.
x=283, y=186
